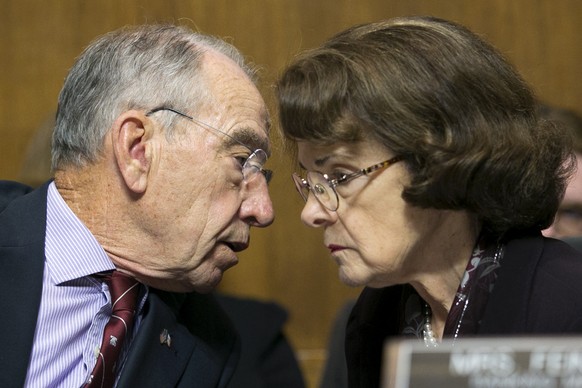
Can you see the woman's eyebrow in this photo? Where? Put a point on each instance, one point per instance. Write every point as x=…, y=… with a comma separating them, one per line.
x=320, y=162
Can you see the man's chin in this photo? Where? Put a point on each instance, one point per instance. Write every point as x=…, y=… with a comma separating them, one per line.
x=185, y=285
x=208, y=286
x=208, y=283
x=203, y=279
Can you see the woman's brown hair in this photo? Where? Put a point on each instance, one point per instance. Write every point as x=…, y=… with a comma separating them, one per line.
x=433, y=91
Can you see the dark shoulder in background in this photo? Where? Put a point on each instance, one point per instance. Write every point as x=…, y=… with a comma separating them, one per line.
x=267, y=358
x=575, y=242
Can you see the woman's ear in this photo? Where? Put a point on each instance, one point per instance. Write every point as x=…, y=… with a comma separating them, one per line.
x=131, y=140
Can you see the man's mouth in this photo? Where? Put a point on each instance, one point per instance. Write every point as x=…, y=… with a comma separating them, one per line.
x=236, y=246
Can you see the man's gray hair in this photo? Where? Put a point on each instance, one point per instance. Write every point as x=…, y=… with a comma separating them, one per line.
x=141, y=67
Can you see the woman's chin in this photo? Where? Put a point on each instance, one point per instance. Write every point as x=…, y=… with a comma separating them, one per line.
x=350, y=279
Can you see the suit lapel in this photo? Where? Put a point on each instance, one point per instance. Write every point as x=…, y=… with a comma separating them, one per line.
x=22, y=226
x=153, y=360
x=203, y=350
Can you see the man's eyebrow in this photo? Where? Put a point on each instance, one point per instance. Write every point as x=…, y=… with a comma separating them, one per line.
x=249, y=138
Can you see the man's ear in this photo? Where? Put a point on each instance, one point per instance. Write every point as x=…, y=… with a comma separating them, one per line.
x=130, y=136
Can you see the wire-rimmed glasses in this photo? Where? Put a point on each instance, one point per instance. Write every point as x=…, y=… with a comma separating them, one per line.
x=324, y=188
x=254, y=163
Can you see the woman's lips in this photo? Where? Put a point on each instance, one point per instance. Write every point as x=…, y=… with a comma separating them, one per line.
x=335, y=248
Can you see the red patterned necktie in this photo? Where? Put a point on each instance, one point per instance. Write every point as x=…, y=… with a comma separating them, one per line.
x=124, y=290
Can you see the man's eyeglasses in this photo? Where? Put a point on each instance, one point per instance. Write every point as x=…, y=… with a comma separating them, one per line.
x=254, y=163
x=324, y=188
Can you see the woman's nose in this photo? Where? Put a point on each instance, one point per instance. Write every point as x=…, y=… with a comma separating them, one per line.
x=314, y=214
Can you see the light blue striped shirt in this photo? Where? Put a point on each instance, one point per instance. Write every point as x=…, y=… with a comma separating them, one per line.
x=75, y=306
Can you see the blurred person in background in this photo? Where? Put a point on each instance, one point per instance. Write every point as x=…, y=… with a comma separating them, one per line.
x=568, y=221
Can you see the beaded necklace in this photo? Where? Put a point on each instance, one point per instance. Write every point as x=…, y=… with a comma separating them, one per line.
x=430, y=340
x=471, y=297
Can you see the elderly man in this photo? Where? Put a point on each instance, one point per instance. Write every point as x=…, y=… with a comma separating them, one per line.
x=158, y=156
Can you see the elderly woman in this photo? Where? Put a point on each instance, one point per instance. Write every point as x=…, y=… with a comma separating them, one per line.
x=427, y=167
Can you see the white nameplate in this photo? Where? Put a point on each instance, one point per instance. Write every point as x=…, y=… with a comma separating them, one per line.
x=508, y=362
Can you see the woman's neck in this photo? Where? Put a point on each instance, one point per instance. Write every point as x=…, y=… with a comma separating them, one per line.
x=446, y=261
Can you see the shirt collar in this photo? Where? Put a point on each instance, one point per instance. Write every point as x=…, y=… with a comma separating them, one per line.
x=71, y=250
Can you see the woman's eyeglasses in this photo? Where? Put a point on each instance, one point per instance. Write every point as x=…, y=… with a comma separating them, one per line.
x=324, y=188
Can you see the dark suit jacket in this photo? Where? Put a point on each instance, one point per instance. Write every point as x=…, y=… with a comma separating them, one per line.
x=267, y=359
x=538, y=291
x=204, y=348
